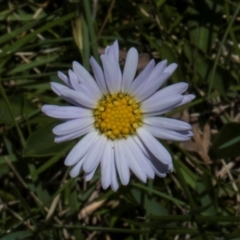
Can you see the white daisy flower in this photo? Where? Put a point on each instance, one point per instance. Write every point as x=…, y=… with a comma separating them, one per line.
x=117, y=117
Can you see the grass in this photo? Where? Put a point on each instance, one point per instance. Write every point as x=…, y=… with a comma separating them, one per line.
x=199, y=200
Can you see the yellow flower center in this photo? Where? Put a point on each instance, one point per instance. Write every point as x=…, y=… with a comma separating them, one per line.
x=117, y=116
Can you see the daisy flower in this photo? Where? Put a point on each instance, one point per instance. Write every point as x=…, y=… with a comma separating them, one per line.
x=117, y=117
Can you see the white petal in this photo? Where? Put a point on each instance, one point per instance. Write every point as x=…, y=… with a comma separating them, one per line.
x=113, y=53
x=64, y=78
x=75, y=170
x=98, y=74
x=96, y=92
x=167, y=134
x=159, y=168
x=113, y=50
x=81, y=148
x=143, y=157
x=172, y=89
x=154, y=146
x=57, y=88
x=84, y=98
x=187, y=98
x=133, y=161
x=163, y=122
x=142, y=77
x=151, y=86
x=113, y=84
x=170, y=68
x=157, y=70
x=114, y=180
x=130, y=68
x=75, y=134
x=121, y=162
x=86, y=78
x=106, y=163
x=72, y=125
x=106, y=49
x=111, y=171
x=94, y=157
x=89, y=175
x=155, y=104
x=140, y=145
x=75, y=82
x=155, y=75
x=170, y=167
x=153, y=165
x=66, y=112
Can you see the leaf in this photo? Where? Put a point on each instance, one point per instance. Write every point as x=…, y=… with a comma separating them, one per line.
x=154, y=207
x=159, y=193
x=204, y=17
x=225, y=144
x=231, y=142
x=11, y=157
x=30, y=65
x=204, y=70
x=206, y=193
x=26, y=39
x=41, y=142
x=18, y=235
x=20, y=107
x=189, y=176
x=4, y=168
x=50, y=162
x=6, y=196
x=8, y=37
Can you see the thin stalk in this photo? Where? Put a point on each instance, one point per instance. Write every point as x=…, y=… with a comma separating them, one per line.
x=220, y=49
x=5, y=98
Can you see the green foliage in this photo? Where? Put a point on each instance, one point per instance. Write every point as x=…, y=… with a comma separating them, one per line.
x=41, y=142
x=199, y=200
x=227, y=142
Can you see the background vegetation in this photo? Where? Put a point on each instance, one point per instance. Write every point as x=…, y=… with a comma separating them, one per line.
x=199, y=200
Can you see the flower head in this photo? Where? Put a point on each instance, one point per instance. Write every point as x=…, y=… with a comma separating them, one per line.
x=118, y=117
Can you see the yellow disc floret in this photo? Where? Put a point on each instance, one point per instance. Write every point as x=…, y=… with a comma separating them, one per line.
x=117, y=116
